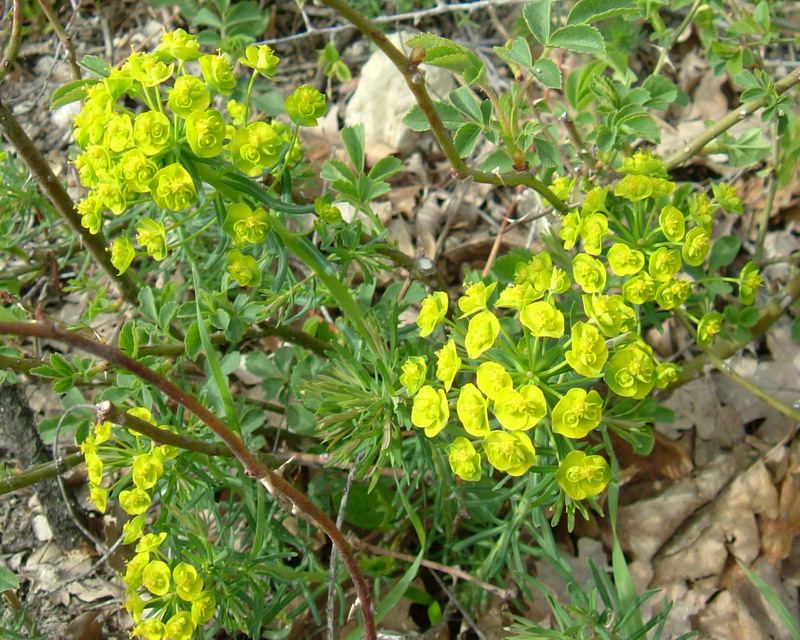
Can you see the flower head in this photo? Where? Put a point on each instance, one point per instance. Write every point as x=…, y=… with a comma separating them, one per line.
x=217, y=73
x=173, y=188
x=492, y=379
x=482, y=331
x=465, y=462
x=749, y=282
x=256, y=147
x=577, y=413
x=245, y=225
x=631, y=372
x=261, y=58
x=189, y=94
x=415, y=370
x=243, y=268
x=543, y=320
x=510, y=452
x=589, y=352
x=433, y=310
x=152, y=236
x=589, y=273
x=582, y=476
x=625, y=261
x=305, y=106
x=447, y=363
x=475, y=298
x=430, y=411
x=151, y=132
x=155, y=577
x=205, y=133
x=471, y=409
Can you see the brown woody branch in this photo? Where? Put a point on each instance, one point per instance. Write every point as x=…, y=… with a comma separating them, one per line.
x=287, y=495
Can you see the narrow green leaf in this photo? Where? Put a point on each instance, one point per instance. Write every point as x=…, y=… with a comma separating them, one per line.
x=723, y=252
x=775, y=602
x=71, y=92
x=586, y=11
x=537, y=17
x=192, y=341
x=220, y=380
x=547, y=72
x=580, y=38
x=8, y=579
x=95, y=65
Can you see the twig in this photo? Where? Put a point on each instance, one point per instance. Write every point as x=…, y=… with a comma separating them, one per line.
x=415, y=79
x=464, y=613
x=285, y=493
x=456, y=572
x=695, y=146
x=50, y=184
x=14, y=41
x=503, y=226
x=330, y=605
x=687, y=20
x=413, y=16
x=52, y=17
x=759, y=393
x=40, y=472
x=775, y=309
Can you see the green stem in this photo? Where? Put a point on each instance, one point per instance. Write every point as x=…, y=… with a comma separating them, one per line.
x=247, y=96
x=695, y=146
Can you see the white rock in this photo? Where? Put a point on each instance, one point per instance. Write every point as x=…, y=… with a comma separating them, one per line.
x=382, y=99
x=41, y=528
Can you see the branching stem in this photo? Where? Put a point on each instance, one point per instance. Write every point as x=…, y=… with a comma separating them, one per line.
x=285, y=493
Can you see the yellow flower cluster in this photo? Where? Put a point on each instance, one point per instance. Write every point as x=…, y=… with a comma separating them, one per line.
x=526, y=381
x=128, y=156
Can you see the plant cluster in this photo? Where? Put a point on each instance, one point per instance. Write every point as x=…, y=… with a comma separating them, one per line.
x=517, y=385
x=533, y=350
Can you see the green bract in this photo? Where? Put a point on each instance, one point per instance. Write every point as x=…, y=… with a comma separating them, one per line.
x=589, y=273
x=673, y=293
x=471, y=409
x=577, y=413
x=672, y=223
x=434, y=307
x=149, y=70
x=625, y=261
x=173, y=188
x=151, y=629
x=582, y=476
x=119, y=132
x=146, y=470
x=481, y=333
x=203, y=607
x=749, y=282
x=570, y=229
x=305, y=106
x=543, y=320
x=188, y=584
x=261, y=58
x=151, y=132
x=631, y=372
x=475, y=299
x=132, y=501
x=639, y=289
x=414, y=373
x=664, y=263
x=91, y=210
x=181, y=626
x=137, y=170
x=205, y=133
x=189, y=94
x=519, y=410
x=178, y=45
x=246, y=226
x=643, y=163
x=465, y=462
x=517, y=296
x=217, y=73
x=696, y=246
x=492, y=378
x=447, y=363
x=152, y=236
x=256, y=148
x=243, y=269
x=155, y=578
x=593, y=229
x=510, y=452
x=589, y=352
x=430, y=411
x=634, y=188
x=708, y=327
x=610, y=313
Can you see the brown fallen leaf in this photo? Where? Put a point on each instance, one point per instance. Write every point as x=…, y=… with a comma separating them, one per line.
x=778, y=534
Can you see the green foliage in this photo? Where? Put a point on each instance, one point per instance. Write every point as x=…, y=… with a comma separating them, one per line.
x=500, y=410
